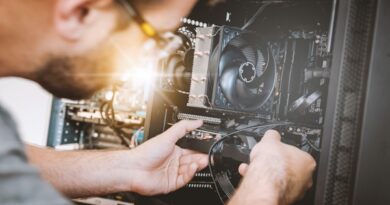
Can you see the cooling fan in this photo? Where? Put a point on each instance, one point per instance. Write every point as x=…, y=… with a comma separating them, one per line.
x=178, y=66
x=178, y=72
x=246, y=73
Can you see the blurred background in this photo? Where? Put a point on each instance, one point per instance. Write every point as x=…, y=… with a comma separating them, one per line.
x=30, y=106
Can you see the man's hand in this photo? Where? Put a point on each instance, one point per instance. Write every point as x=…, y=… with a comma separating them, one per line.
x=160, y=166
x=278, y=173
x=155, y=167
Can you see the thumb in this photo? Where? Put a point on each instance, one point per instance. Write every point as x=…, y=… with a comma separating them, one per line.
x=271, y=135
x=178, y=130
x=243, y=168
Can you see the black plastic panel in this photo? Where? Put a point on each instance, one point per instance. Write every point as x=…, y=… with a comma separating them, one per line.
x=352, y=49
x=372, y=185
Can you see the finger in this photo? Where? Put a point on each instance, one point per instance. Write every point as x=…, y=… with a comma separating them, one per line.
x=200, y=159
x=188, y=152
x=203, y=163
x=271, y=135
x=310, y=184
x=183, y=169
x=243, y=168
x=304, y=189
x=186, y=159
x=186, y=174
x=178, y=130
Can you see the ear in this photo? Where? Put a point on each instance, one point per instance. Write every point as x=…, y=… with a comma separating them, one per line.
x=72, y=17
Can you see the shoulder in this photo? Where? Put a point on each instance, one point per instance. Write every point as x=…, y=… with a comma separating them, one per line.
x=15, y=170
x=9, y=135
x=6, y=120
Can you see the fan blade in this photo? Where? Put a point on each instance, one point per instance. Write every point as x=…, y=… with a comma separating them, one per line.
x=254, y=95
x=228, y=83
x=173, y=61
x=253, y=98
x=250, y=99
x=245, y=48
x=250, y=54
x=245, y=44
x=230, y=55
x=260, y=63
x=238, y=41
x=181, y=77
x=263, y=70
x=241, y=93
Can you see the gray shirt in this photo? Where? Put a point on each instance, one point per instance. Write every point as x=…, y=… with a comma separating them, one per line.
x=20, y=183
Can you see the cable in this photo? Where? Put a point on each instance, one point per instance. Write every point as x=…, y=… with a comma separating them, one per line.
x=304, y=102
x=211, y=161
x=107, y=113
x=220, y=178
x=182, y=92
x=312, y=145
x=254, y=17
x=259, y=126
x=228, y=136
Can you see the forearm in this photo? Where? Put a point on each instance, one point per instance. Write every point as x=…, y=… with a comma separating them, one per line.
x=264, y=181
x=246, y=196
x=84, y=173
x=277, y=174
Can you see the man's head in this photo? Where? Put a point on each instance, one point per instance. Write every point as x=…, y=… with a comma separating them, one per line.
x=71, y=47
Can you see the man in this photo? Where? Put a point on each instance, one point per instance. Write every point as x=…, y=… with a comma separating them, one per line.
x=66, y=46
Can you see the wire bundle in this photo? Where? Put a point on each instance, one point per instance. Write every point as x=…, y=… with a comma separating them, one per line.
x=222, y=183
x=107, y=113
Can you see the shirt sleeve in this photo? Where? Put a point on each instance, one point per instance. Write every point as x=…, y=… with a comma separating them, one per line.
x=20, y=183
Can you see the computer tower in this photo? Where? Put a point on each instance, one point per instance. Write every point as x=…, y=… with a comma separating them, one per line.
x=339, y=51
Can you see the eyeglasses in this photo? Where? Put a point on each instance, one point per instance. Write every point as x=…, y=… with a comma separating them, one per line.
x=145, y=26
x=166, y=42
